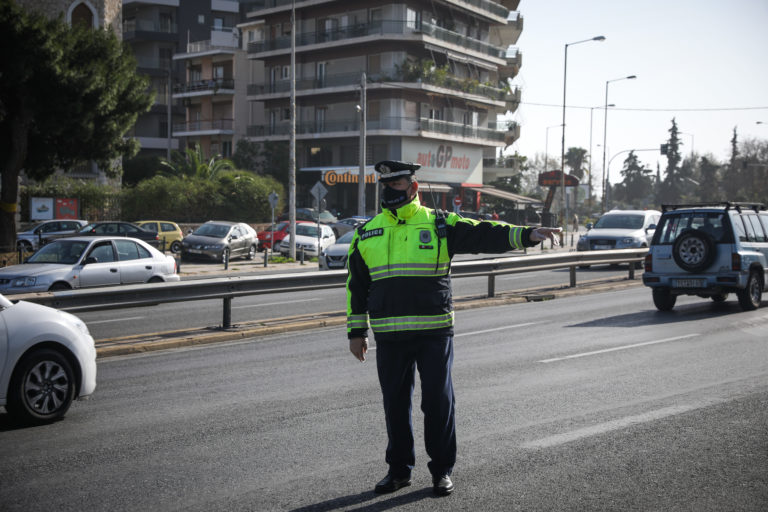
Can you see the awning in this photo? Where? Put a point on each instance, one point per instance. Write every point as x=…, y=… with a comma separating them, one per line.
x=509, y=196
x=435, y=187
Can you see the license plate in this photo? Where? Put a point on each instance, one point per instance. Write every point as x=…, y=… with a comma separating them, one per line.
x=196, y=251
x=689, y=283
x=602, y=247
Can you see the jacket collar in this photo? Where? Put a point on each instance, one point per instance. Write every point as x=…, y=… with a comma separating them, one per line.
x=406, y=211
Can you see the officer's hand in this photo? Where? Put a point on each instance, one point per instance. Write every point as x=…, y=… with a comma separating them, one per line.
x=358, y=346
x=541, y=234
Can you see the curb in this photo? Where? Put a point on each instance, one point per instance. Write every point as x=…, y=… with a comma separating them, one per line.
x=138, y=344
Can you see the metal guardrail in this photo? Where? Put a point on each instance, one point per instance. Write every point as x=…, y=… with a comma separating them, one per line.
x=228, y=288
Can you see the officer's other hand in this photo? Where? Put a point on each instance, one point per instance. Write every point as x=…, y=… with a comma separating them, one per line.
x=358, y=346
x=541, y=234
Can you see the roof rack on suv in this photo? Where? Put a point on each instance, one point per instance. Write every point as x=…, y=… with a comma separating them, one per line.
x=728, y=204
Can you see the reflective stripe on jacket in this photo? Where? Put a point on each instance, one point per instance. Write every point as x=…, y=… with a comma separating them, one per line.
x=399, y=268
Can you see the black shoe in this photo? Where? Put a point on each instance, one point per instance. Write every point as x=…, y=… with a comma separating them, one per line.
x=442, y=486
x=391, y=484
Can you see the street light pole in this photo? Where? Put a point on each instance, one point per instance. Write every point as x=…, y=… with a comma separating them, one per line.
x=292, y=144
x=361, y=173
x=591, y=110
x=564, y=206
x=605, y=133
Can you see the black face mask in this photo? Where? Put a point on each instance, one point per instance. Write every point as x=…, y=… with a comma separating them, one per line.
x=391, y=198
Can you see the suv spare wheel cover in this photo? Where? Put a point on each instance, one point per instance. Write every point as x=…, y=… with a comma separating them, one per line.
x=694, y=250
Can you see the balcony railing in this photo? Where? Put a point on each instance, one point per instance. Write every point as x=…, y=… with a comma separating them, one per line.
x=389, y=27
x=205, y=85
x=204, y=126
x=387, y=123
x=492, y=7
x=149, y=26
x=153, y=63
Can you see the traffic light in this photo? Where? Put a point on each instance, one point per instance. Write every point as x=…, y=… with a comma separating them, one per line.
x=664, y=148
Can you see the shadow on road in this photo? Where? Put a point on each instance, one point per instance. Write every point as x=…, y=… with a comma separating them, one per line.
x=681, y=313
x=363, y=497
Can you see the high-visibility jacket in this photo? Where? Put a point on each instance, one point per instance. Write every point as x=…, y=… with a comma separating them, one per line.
x=399, y=267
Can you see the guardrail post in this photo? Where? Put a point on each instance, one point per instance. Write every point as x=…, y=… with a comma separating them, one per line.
x=491, y=285
x=302, y=255
x=266, y=256
x=631, y=270
x=226, y=259
x=572, y=271
x=226, y=322
x=178, y=265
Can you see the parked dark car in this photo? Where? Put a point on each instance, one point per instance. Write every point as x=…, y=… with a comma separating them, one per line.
x=219, y=240
x=119, y=228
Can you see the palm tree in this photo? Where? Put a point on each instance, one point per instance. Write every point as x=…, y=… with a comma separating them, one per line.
x=193, y=164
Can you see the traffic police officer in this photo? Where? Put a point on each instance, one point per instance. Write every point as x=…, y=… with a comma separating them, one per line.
x=399, y=282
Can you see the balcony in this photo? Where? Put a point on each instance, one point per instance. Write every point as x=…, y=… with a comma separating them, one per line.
x=133, y=29
x=514, y=59
x=396, y=126
x=204, y=87
x=153, y=64
x=378, y=28
x=510, y=32
x=214, y=127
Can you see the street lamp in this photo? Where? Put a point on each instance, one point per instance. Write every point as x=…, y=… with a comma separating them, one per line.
x=605, y=131
x=591, y=109
x=562, y=140
x=546, y=145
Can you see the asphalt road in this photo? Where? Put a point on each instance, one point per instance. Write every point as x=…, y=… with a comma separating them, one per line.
x=594, y=402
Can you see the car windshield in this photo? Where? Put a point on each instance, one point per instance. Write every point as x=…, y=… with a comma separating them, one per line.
x=60, y=251
x=620, y=222
x=212, y=230
x=306, y=230
x=346, y=238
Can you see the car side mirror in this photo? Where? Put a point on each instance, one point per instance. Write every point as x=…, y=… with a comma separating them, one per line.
x=90, y=259
x=233, y=237
x=589, y=226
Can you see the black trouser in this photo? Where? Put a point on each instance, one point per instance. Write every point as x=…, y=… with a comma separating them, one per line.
x=396, y=362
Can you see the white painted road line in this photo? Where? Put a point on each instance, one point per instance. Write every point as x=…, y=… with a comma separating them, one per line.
x=90, y=322
x=614, y=349
x=492, y=330
x=610, y=426
x=274, y=303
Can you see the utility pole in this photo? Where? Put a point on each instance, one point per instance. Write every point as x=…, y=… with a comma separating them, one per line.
x=361, y=174
x=292, y=149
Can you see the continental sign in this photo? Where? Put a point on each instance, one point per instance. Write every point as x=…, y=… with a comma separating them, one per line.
x=331, y=178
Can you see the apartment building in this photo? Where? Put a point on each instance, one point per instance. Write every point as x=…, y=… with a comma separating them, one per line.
x=436, y=76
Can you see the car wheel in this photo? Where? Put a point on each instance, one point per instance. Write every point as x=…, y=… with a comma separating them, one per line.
x=24, y=246
x=720, y=297
x=176, y=247
x=693, y=250
x=155, y=279
x=42, y=387
x=58, y=287
x=751, y=296
x=663, y=300
x=251, y=252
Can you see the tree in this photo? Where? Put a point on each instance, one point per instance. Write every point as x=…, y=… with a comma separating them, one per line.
x=248, y=155
x=671, y=188
x=67, y=95
x=193, y=164
x=638, y=182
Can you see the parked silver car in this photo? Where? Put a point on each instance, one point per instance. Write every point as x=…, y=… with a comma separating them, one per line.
x=219, y=240
x=80, y=262
x=29, y=240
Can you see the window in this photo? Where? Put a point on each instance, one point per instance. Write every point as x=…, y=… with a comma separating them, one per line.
x=152, y=227
x=127, y=228
x=218, y=23
x=754, y=228
x=201, y=19
x=412, y=19
x=320, y=119
x=218, y=71
x=286, y=74
x=226, y=149
x=195, y=73
x=126, y=250
x=102, y=252
x=82, y=16
x=286, y=114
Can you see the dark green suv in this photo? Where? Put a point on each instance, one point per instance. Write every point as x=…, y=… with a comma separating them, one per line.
x=709, y=250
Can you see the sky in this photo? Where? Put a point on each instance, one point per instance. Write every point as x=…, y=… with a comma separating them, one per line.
x=702, y=62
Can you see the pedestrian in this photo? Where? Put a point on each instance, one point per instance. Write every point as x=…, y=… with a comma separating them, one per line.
x=399, y=282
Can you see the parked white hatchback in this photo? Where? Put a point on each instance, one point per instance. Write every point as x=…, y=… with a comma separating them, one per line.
x=82, y=262
x=307, y=239
x=47, y=360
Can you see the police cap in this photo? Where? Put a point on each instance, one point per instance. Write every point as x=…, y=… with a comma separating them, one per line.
x=392, y=169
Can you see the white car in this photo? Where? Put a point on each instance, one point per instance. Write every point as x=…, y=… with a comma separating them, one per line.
x=47, y=360
x=306, y=239
x=620, y=229
x=81, y=262
x=335, y=256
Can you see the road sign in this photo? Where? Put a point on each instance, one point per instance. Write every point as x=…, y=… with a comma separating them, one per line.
x=318, y=191
x=273, y=197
